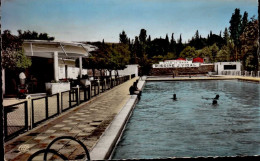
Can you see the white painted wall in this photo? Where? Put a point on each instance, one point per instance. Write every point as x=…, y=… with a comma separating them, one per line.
x=130, y=69
x=219, y=67
x=73, y=72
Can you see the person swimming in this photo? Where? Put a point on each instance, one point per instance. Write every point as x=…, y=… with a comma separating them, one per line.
x=217, y=97
x=214, y=102
x=174, y=97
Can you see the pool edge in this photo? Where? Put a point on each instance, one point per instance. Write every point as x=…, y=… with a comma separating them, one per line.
x=107, y=142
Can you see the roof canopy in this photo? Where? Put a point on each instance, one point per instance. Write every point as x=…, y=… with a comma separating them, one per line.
x=45, y=49
x=197, y=60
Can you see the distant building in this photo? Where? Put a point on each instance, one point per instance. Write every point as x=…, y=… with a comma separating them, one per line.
x=227, y=67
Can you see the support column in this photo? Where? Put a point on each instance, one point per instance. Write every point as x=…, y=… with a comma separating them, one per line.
x=80, y=67
x=3, y=81
x=56, y=66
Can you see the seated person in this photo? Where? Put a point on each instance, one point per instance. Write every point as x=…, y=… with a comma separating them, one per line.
x=132, y=90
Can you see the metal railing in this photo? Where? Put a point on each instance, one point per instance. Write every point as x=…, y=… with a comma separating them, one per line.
x=26, y=115
x=44, y=108
x=15, y=119
x=242, y=73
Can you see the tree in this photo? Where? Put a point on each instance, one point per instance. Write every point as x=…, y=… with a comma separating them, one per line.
x=249, y=46
x=149, y=39
x=142, y=36
x=223, y=55
x=235, y=29
x=167, y=43
x=13, y=56
x=33, y=35
x=123, y=37
x=214, y=50
x=226, y=36
x=206, y=53
x=145, y=65
x=197, y=36
x=179, y=46
x=197, y=41
x=172, y=47
x=188, y=52
x=244, y=22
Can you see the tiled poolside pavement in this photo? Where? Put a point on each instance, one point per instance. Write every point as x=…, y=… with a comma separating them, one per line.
x=86, y=122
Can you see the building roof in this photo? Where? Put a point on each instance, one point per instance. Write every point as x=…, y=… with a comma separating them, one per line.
x=198, y=60
x=45, y=48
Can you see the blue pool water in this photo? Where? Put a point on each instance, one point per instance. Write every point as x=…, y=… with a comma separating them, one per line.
x=192, y=126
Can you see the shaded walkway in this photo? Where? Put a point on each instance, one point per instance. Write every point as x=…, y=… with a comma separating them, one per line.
x=86, y=122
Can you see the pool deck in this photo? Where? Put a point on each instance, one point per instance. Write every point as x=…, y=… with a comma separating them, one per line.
x=215, y=77
x=87, y=122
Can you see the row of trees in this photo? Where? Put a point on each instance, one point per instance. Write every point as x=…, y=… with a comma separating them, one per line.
x=107, y=57
x=236, y=43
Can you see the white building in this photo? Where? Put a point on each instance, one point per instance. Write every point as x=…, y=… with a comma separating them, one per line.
x=63, y=54
x=51, y=61
x=230, y=68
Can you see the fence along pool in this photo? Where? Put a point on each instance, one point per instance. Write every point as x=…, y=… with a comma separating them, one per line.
x=18, y=118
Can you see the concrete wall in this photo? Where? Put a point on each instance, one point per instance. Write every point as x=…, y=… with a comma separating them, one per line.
x=130, y=69
x=219, y=66
x=202, y=69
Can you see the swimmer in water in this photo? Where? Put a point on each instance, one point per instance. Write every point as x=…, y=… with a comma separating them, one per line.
x=217, y=97
x=174, y=97
x=214, y=102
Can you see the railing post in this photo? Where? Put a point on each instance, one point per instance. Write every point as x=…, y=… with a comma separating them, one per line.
x=26, y=115
x=111, y=83
x=77, y=95
x=90, y=90
x=30, y=112
x=5, y=124
x=105, y=84
x=47, y=108
x=70, y=98
x=98, y=82
x=59, y=102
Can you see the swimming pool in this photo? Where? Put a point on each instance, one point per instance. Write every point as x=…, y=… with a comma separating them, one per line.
x=191, y=126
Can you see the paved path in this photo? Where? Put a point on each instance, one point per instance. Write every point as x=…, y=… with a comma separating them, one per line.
x=86, y=122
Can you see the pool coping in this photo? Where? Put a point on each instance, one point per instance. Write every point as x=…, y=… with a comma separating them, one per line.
x=108, y=141
x=215, y=77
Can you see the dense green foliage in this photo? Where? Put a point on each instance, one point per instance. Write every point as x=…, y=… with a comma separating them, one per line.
x=226, y=46
x=13, y=56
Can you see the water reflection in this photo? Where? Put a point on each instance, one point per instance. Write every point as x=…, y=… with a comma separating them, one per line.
x=192, y=126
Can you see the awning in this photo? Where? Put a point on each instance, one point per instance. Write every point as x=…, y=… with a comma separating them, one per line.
x=45, y=49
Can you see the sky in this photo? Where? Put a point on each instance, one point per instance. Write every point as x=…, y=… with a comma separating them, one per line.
x=95, y=20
